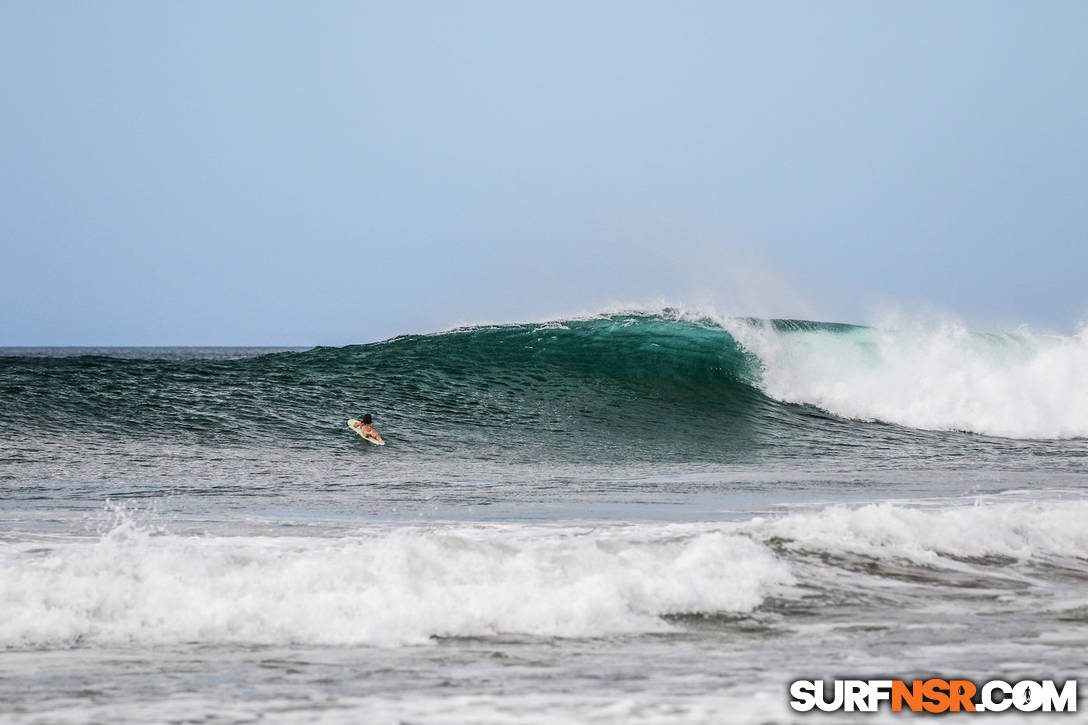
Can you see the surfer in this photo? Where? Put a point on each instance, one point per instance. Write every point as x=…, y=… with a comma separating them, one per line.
x=367, y=428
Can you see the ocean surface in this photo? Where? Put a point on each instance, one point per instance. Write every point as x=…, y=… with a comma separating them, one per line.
x=633, y=517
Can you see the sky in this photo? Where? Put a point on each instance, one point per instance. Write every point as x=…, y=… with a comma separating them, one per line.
x=299, y=173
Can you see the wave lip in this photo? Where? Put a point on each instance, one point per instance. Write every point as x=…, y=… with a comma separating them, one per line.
x=1015, y=385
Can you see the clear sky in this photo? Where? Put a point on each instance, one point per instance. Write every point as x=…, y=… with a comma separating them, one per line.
x=336, y=172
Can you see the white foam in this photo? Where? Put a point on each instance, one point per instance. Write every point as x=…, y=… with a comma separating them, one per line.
x=1017, y=530
x=1019, y=384
x=383, y=587
x=404, y=585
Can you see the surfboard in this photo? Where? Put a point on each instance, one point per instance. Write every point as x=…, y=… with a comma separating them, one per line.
x=357, y=426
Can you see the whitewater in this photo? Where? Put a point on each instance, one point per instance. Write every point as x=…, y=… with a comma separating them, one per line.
x=645, y=516
x=1018, y=384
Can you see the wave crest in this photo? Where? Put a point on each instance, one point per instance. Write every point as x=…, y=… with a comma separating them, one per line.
x=1016, y=385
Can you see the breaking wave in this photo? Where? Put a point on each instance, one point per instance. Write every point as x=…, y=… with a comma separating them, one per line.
x=613, y=383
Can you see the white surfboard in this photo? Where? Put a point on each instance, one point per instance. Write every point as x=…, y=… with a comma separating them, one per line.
x=357, y=426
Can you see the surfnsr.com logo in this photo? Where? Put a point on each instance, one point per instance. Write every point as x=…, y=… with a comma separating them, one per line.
x=934, y=696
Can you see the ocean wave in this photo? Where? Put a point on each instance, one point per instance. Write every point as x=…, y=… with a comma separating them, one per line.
x=398, y=585
x=1018, y=384
x=383, y=587
x=721, y=387
x=1019, y=531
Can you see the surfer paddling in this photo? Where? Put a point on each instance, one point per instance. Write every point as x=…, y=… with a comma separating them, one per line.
x=366, y=428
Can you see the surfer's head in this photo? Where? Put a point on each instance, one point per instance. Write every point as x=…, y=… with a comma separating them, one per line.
x=367, y=420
